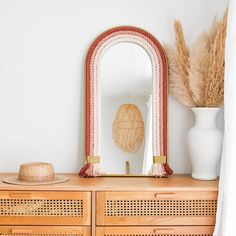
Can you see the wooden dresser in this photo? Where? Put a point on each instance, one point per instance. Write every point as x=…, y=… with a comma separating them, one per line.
x=108, y=206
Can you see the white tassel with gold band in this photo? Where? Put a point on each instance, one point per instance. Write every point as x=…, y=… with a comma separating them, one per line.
x=159, y=167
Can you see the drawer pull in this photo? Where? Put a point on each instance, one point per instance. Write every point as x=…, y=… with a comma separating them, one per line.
x=168, y=194
x=21, y=231
x=163, y=229
x=20, y=195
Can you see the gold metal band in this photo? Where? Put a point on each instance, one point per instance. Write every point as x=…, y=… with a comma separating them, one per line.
x=159, y=159
x=93, y=159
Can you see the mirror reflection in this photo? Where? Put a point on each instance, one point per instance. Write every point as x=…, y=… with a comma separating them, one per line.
x=126, y=110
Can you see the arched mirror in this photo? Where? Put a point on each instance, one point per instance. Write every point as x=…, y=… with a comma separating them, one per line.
x=126, y=105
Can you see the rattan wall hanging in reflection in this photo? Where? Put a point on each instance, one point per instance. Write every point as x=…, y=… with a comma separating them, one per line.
x=128, y=128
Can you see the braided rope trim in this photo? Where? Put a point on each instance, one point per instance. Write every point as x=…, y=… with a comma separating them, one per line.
x=108, y=43
x=159, y=86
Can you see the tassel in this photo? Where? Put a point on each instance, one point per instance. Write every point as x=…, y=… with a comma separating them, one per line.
x=168, y=170
x=92, y=168
x=159, y=167
x=157, y=170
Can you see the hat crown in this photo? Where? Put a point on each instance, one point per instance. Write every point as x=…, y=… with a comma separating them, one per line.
x=36, y=172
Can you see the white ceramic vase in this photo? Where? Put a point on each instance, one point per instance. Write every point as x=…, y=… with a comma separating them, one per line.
x=204, y=144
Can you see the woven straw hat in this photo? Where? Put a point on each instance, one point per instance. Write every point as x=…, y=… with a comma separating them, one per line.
x=35, y=173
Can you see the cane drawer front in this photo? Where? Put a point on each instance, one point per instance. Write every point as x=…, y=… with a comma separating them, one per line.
x=44, y=231
x=45, y=208
x=156, y=231
x=156, y=208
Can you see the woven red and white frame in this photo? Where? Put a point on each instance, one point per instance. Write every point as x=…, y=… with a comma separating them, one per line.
x=159, y=92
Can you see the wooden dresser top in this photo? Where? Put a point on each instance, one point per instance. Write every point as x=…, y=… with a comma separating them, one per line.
x=173, y=183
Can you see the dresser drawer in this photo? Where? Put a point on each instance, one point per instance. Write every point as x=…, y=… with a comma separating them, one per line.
x=156, y=208
x=155, y=231
x=44, y=231
x=45, y=208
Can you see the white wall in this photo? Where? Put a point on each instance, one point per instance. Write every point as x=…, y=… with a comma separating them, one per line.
x=43, y=45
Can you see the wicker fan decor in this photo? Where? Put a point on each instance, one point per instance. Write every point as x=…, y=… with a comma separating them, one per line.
x=128, y=128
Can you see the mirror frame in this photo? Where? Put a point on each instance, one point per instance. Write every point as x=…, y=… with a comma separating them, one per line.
x=102, y=43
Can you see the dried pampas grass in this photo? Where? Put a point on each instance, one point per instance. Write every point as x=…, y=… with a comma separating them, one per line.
x=196, y=78
x=176, y=83
x=199, y=66
x=214, y=89
x=212, y=33
x=182, y=55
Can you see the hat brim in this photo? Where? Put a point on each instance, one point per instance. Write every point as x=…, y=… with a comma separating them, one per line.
x=14, y=180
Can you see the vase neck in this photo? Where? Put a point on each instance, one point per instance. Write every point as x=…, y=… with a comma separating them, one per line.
x=205, y=117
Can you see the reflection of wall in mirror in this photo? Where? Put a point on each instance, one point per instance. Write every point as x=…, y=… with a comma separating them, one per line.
x=147, y=157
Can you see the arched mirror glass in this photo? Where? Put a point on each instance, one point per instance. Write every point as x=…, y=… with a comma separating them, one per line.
x=126, y=88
